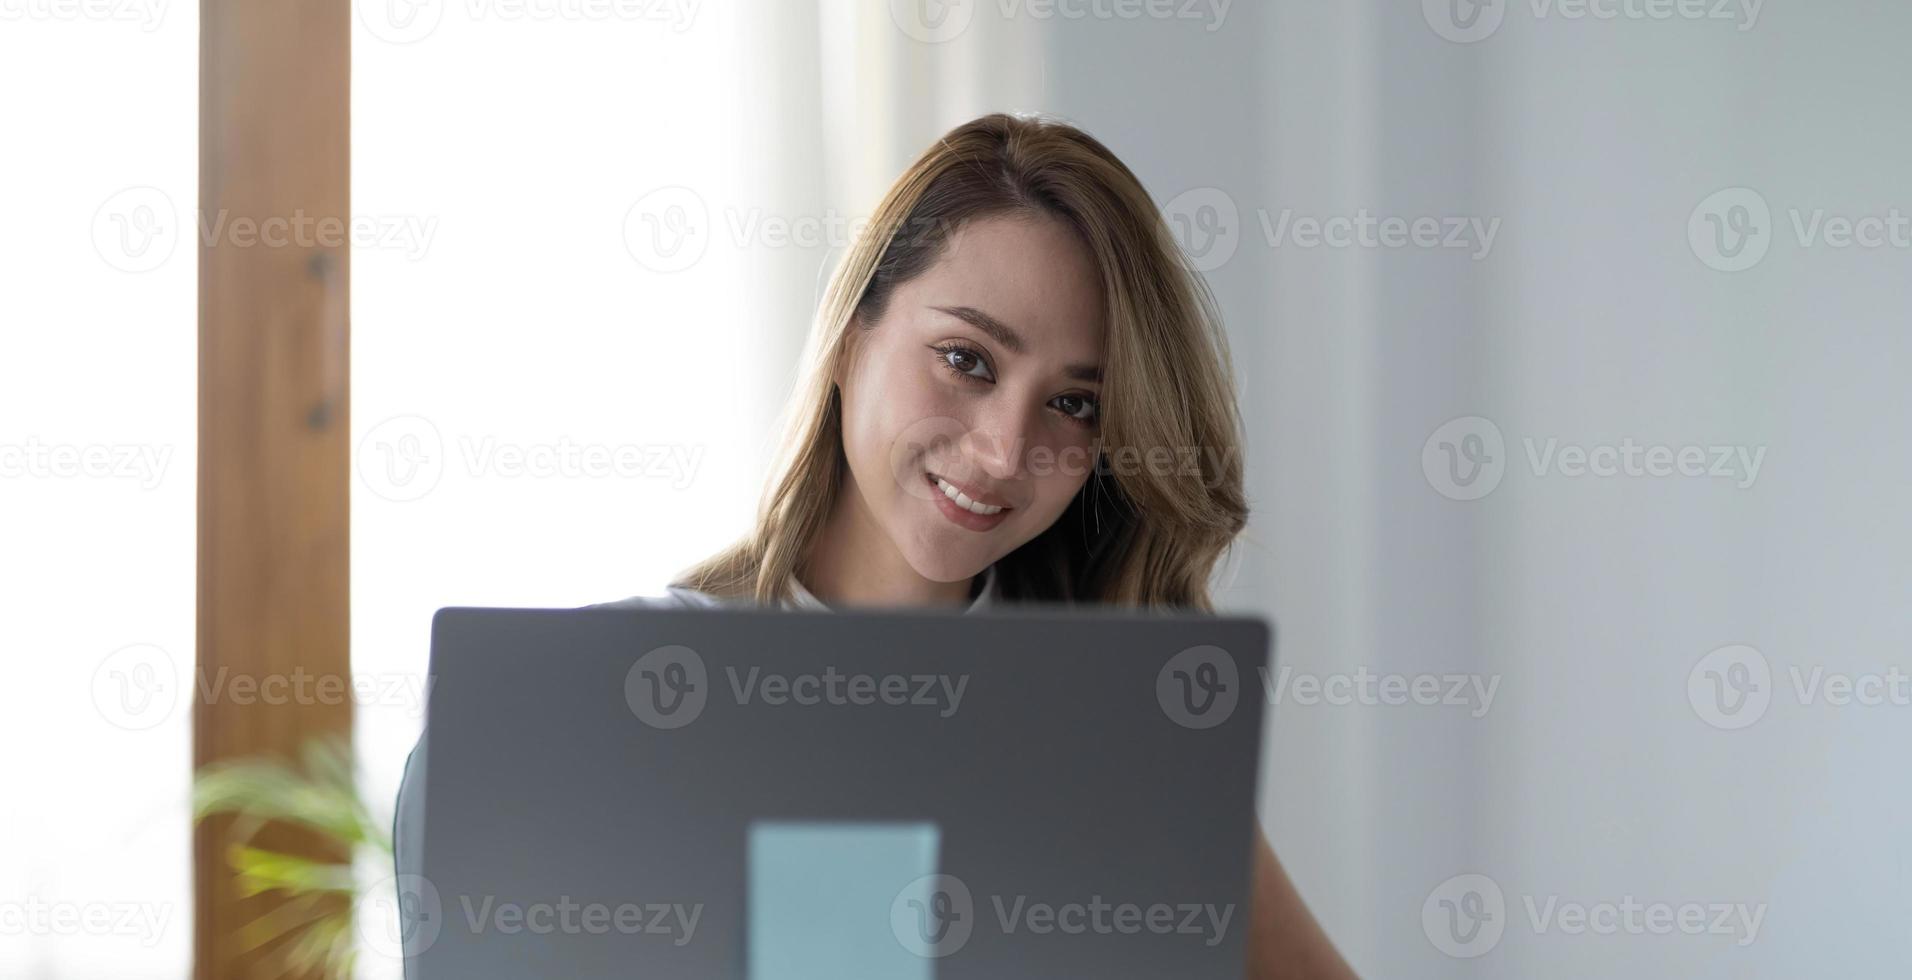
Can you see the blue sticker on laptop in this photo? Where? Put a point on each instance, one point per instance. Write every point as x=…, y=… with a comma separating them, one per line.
x=847, y=901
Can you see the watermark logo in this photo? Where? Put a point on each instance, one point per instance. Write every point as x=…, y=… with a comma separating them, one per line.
x=922, y=443
x=1206, y=224
x=137, y=687
x=402, y=458
x=933, y=21
x=141, y=686
x=668, y=687
x=409, y=692
x=1199, y=687
x=1731, y=687
x=1464, y=21
x=832, y=229
x=933, y=916
x=399, y=917
x=1465, y=458
x=404, y=916
x=1465, y=916
x=136, y=229
x=668, y=229
x=409, y=234
x=1731, y=229
x=671, y=229
x=1468, y=21
x=400, y=21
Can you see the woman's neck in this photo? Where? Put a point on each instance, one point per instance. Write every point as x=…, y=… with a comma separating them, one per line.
x=854, y=563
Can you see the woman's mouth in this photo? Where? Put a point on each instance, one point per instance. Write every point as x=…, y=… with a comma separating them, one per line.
x=963, y=510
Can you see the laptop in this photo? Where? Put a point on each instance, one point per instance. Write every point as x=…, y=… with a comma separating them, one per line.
x=766, y=794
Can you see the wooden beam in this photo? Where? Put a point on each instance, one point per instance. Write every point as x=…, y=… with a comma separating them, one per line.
x=274, y=406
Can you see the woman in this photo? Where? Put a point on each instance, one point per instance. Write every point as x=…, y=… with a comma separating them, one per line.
x=1017, y=392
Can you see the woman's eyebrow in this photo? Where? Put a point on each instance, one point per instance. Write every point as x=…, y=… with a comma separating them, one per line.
x=1001, y=331
x=1010, y=339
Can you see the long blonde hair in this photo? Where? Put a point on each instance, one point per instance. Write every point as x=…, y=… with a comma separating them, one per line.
x=1149, y=538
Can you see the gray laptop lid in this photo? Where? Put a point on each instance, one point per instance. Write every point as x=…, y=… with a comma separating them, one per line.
x=775, y=795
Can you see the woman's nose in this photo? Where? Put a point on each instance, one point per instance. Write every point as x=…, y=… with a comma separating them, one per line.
x=999, y=442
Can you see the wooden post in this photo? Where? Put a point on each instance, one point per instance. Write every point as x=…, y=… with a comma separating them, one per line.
x=274, y=411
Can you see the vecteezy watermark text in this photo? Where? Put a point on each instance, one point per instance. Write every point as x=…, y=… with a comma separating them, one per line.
x=937, y=21
x=1732, y=687
x=404, y=915
x=1466, y=916
x=1467, y=21
x=942, y=692
x=1732, y=229
x=38, y=917
x=1199, y=687
x=567, y=917
x=1207, y=223
x=142, y=686
x=148, y=14
x=669, y=229
x=1366, y=687
x=1466, y=458
x=144, y=465
x=138, y=228
x=410, y=21
x=935, y=916
x=668, y=688
x=403, y=458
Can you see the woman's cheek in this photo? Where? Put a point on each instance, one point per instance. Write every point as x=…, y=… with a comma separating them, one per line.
x=1052, y=496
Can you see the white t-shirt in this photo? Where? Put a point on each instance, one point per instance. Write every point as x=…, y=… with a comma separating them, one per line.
x=408, y=818
x=678, y=597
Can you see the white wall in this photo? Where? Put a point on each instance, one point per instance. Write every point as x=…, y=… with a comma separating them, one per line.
x=98, y=139
x=1594, y=775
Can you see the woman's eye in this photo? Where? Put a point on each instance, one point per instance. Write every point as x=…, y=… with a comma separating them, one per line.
x=965, y=362
x=1078, y=407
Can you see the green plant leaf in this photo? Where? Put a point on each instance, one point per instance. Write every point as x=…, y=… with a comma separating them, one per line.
x=312, y=923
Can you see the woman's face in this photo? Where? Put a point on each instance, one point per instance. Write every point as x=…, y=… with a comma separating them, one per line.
x=980, y=379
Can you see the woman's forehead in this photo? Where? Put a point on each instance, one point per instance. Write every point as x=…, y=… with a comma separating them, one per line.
x=1031, y=274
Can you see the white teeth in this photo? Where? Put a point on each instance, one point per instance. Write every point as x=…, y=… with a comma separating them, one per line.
x=963, y=501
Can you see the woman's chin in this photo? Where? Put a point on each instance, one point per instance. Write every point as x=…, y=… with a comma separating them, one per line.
x=940, y=560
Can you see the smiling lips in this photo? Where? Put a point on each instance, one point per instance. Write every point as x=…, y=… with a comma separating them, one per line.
x=965, y=510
